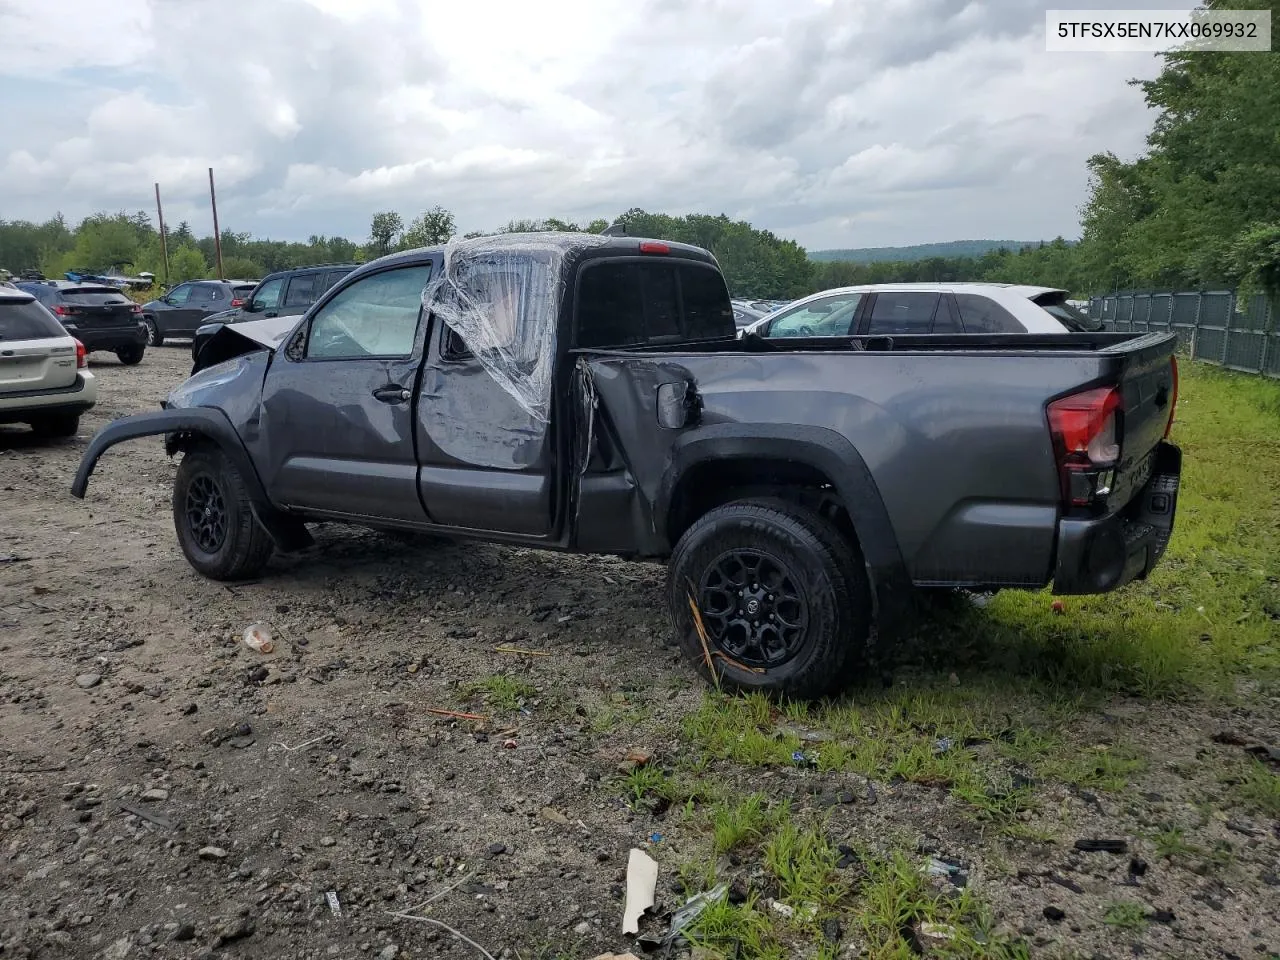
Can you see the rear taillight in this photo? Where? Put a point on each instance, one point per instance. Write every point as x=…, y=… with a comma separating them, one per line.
x=1086, y=442
x=1173, y=398
x=60, y=310
x=82, y=356
x=237, y=302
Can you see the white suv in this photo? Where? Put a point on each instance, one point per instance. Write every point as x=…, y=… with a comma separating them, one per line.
x=44, y=375
x=907, y=308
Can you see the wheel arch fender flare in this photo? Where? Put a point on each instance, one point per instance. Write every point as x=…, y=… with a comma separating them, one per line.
x=180, y=427
x=822, y=449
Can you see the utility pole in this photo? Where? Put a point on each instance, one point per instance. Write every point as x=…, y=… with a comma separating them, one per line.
x=164, y=242
x=217, y=237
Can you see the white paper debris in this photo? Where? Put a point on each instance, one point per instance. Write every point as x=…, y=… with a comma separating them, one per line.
x=642, y=881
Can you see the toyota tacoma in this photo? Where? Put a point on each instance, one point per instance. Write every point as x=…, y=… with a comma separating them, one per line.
x=588, y=393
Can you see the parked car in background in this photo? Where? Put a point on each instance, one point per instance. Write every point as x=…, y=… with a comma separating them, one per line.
x=180, y=311
x=100, y=317
x=286, y=293
x=745, y=314
x=44, y=376
x=907, y=308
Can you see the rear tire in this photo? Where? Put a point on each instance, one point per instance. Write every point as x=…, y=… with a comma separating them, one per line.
x=131, y=355
x=782, y=595
x=57, y=425
x=154, y=337
x=213, y=518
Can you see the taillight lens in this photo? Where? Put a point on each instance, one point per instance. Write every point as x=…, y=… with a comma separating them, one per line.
x=60, y=310
x=654, y=246
x=82, y=356
x=1173, y=399
x=1086, y=440
x=237, y=303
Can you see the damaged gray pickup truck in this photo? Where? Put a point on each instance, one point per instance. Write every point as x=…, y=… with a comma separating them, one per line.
x=588, y=394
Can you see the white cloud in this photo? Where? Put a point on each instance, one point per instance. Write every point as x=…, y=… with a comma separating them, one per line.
x=844, y=122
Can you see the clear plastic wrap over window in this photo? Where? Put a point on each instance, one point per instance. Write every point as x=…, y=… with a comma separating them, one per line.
x=502, y=296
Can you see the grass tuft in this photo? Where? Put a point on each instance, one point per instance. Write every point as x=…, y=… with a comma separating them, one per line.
x=501, y=691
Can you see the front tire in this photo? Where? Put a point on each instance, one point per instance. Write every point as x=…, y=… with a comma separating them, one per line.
x=782, y=595
x=154, y=337
x=131, y=355
x=212, y=515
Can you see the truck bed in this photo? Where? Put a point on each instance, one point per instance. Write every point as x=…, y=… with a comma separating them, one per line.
x=952, y=431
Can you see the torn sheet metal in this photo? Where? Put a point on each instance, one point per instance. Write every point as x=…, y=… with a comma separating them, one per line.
x=235, y=339
x=502, y=296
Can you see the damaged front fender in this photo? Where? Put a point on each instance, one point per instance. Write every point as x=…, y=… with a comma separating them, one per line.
x=209, y=424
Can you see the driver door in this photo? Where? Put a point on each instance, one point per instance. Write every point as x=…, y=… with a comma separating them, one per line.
x=337, y=402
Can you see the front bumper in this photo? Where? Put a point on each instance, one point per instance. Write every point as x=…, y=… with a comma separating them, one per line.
x=109, y=338
x=77, y=398
x=1100, y=555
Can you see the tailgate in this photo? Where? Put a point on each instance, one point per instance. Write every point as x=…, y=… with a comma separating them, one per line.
x=98, y=307
x=1148, y=389
x=36, y=365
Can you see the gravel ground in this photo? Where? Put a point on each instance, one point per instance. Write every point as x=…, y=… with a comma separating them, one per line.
x=166, y=792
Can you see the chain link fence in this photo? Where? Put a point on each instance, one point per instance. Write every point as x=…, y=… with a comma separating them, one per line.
x=1212, y=325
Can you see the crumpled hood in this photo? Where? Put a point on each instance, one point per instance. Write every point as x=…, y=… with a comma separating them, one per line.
x=267, y=332
x=237, y=338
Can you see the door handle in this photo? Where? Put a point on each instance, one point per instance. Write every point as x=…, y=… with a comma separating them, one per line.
x=392, y=393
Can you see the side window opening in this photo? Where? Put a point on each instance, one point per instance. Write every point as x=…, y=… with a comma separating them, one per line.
x=377, y=316
x=981, y=314
x=268, y=295
x=903, y=312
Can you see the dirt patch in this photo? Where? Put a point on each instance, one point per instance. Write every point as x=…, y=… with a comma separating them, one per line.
x=166, y=792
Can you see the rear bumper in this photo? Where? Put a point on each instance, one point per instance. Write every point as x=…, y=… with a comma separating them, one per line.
x=110, y=338
x=20, y=407
x=1100, y=555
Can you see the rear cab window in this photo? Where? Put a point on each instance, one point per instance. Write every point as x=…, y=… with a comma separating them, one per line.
x=629, y=303
x=23, y=319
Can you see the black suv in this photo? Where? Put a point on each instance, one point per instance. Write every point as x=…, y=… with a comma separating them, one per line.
x=180, y=311
x=282, y=294
x=100, y=317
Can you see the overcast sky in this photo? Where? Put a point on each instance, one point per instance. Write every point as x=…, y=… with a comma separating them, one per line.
x=841, y=123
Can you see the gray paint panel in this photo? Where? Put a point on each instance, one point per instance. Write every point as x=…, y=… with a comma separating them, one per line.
x=487, y=499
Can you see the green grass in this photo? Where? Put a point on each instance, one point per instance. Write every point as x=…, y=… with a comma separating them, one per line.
x=902, y=734
x=1173, y=843
x=1260, y=789
x=898, y=898
x=1209, y=611
x=746, y=822
x=803, y=862
x=1124, y=915
x=501, y=692
x=1105, y=768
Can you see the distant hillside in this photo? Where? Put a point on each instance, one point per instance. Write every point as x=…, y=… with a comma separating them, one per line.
x=921, y=251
